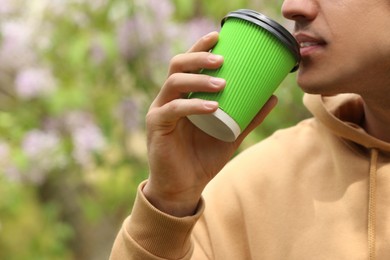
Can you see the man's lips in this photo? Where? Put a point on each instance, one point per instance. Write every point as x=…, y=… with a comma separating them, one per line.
x=309, y=43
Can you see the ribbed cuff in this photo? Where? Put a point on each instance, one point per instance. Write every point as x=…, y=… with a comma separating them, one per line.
x=161, y=234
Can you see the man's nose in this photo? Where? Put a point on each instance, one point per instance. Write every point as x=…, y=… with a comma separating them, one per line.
x=300, y=10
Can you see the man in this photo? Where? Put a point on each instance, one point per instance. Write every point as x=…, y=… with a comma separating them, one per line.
x=319, y=190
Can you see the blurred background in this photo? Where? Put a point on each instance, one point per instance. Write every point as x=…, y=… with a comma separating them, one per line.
x=76, y=80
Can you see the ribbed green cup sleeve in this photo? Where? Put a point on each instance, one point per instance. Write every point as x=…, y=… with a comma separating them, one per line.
x=255, y=64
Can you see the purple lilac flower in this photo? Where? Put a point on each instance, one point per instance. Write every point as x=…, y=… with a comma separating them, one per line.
x=87, y=140
x=34, y=82
x=13, y=174
x=6, y=7
x=196, y=28
x=96, y=4
x=162, y=10
x=128, y=112
x=147, y=30
x=43, y=152
x=37, y=143
x=134, y=35
x=97, y=52
x=87, y=137
x=15, y=50
x=126, y=39
x=165, y=49
x=76, y=119
x=53, y=124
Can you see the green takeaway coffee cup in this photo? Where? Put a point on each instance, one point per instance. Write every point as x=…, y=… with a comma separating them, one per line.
x=258, y=55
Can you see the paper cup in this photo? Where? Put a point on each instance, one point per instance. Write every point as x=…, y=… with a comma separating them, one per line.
x=258, y=55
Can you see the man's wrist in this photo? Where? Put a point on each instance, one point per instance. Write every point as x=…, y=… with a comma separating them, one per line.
x=177, y=205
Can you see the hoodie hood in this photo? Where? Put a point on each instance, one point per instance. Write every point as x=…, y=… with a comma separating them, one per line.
x=343, y=115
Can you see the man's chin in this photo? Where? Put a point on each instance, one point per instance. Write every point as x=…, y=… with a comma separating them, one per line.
x=315, y=91
x=316, y=87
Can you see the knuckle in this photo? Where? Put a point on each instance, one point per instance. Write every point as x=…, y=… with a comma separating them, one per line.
x=176, y=60
x=172, y=80
x=149, y=118
x=173, y=106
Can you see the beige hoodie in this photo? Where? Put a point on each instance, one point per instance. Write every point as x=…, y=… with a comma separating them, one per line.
x=319, y=190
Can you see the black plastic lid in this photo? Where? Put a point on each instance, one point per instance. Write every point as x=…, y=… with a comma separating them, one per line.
x=270, y=25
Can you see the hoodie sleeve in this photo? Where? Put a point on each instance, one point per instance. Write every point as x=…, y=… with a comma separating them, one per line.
x=151, y=234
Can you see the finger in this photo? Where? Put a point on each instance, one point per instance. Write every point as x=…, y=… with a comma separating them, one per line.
x=198, y=56
x=179, y=85
x=194, y=62
x=205, y=43
x=259, y=118
x=168, y=115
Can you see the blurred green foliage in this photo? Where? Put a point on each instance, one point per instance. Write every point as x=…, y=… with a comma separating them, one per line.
x=76, y=80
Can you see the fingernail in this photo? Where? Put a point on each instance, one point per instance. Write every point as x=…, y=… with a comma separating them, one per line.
x=210, y=104
x=215, y=58
x=218, y=82
x=209, y=35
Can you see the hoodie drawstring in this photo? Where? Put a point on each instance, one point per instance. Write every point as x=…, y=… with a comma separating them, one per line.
x=372, y=205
